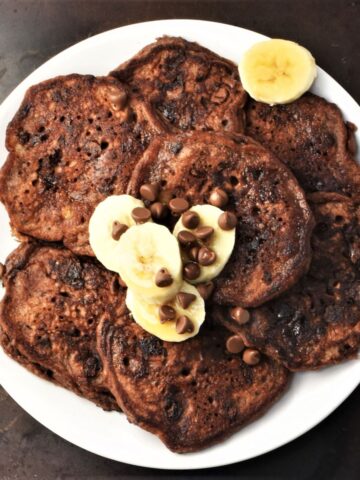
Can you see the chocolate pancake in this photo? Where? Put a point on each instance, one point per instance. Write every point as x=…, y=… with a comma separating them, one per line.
x=311, y=137
x=191, y=394
x=74, y=140
x=49, y=314
x=316, y=323
x=189, y=86
x=272, y=247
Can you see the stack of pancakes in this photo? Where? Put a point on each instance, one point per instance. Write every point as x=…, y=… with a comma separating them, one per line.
x=177, y=114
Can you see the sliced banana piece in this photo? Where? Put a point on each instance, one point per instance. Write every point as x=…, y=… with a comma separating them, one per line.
x=147, y=315
x=221, y=241
x=277, y=71
x=149, y=261
x=116, y=208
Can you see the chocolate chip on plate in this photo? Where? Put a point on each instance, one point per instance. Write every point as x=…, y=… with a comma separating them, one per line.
x=193, y=253
x=163, y=278
x=251, y=356
x=235, y=344
x=190, y=219
x=185, y=299
x=205, y=289
x=141, y=214
x=186, y=238
x=158, y=210
x=150, y=191
x=218, y=198
x=227, y=221
x=166, y=313
x=184, y=325
x=178, y=205
x=240, y=315
x=191, y=270
x=204, y=233
x=206, y=256
x=118, y=229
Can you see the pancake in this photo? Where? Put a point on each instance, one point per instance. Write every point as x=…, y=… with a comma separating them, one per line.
x=191, y=394
x=311, y=137
x=316, y=323
x=189, y=86
x=74, y=141
x=49, y=314
x=272, y=247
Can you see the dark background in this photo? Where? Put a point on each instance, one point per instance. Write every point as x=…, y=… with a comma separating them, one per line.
x=33, y=31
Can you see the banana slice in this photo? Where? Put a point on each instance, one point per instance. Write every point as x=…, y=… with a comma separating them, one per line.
x=149, y=262
x=221, y=241
x=277, y=71
x=116, y=208
x=147, y=315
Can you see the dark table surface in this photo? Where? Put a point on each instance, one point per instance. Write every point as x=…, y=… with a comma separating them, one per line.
x=32, y=31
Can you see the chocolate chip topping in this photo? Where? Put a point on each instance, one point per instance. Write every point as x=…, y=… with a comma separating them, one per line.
x=190, y=219
x=206, y=256
x=251, y=356
x=141, y=214
x=191, y=270
x=185, y=299
x=227, y=221
x=205, y=289
x=193, y=253
x=204, y=233
x=166, y=313
x=118, y=99
x=178, y=205
x=118, y=229
x=184, y=325
x=218, y=198
x=235, y=344
x=163, y=278
x=158, y=211
x=186, y=238
x=240, y=315
x=150, y=191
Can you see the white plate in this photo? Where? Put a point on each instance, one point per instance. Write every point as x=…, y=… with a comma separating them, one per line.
x=312, y=396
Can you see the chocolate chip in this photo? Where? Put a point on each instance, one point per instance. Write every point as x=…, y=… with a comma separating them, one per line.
x=240, y=315
x=186, y=238
x=141, y=214
x=206, y=256
x=184, y=325
x=158, y=211
x=190, y=219
x=150, y=191
x=118, y=229
x=118, y=98
x=191, y=270
x=227, y=221
x=163, y=278
x=185, y=299
x=165, y=196
x=218, y=198
x=166, y=313
x=235, y=344
x=204, y=233
x=178, y=205
x=193, y=253
x=251, y=356
x=205, y=289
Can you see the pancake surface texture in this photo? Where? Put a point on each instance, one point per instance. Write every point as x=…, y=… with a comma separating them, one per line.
x=74, y=141
x=191, y=394
x=317, y=323
x=312, y=139
x=48, y=317
x=190, y=87
x=272, y=248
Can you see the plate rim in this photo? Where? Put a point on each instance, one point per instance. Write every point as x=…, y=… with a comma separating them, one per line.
x=209, y=464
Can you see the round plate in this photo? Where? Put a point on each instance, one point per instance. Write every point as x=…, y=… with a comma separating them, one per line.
x=312, y=395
